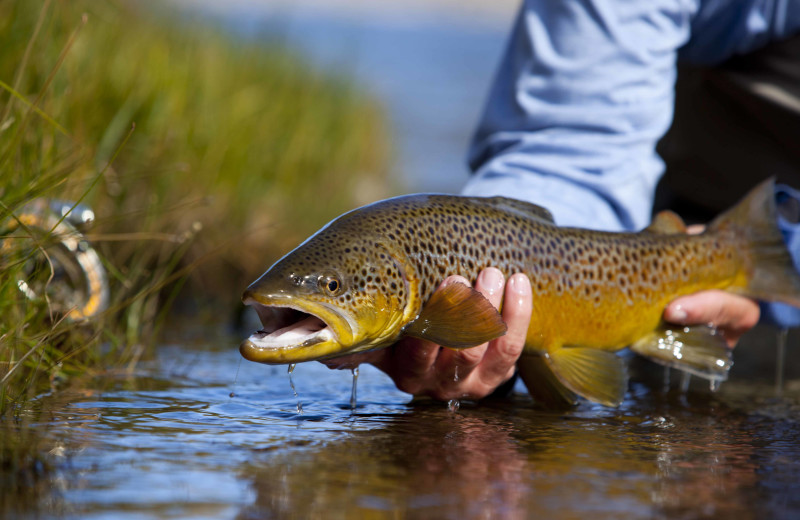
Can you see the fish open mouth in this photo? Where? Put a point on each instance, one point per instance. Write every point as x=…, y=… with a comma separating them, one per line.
x=283, y=329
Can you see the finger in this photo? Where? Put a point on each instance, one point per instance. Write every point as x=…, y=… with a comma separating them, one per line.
x=695, y=229
x=732, y=314
x=490, y=283
x=501, y=357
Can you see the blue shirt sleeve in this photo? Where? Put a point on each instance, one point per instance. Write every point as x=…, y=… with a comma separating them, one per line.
x=586, y=89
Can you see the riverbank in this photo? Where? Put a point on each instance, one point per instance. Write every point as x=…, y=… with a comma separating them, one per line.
x=203, y=158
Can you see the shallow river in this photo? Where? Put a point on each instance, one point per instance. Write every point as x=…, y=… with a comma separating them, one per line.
x=197, y=434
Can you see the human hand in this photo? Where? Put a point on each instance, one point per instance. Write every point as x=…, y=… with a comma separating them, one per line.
x=731, y=314
x=421, y=367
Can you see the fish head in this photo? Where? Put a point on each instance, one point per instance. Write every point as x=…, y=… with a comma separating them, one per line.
x=336, y=294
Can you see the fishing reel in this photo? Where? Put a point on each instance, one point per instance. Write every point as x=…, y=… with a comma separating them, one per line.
x=55, y=261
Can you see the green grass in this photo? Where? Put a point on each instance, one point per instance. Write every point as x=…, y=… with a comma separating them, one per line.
x=239, y=151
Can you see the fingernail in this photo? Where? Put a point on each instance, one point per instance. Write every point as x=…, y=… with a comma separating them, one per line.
x=491, y=279
x=455, y=279
x=676, y=313
x=520, y=284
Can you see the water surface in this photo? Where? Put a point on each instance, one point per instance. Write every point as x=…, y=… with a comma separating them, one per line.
x=181, y=439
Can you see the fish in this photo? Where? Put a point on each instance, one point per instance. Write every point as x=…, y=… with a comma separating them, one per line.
x=369, y=277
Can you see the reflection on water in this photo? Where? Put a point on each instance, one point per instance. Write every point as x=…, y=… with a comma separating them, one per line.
x=172, y=442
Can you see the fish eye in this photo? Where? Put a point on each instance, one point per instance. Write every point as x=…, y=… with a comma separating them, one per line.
x=330, y=284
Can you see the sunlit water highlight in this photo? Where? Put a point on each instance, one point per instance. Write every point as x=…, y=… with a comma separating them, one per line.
x=172, y=443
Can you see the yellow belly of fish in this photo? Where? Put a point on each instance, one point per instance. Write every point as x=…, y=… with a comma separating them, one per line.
x=612, y=323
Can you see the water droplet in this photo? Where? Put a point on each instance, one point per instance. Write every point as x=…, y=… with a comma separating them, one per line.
x=780, y=359
x=235, y=379
x=294, y=391
x=353, y=401
x=686, y=378
x=455, y=375
x=291, y=367
x=713, y=385
x=453, y=405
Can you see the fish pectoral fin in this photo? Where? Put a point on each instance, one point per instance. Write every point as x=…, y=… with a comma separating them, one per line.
x=458, y=316
x=666, y=223
x=699, y=350
x=542, y=384
x=597, y=375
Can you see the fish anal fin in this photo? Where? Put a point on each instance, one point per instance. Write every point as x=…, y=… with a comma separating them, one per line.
x=457, y=316
x=597, y=375
x=666, y=223
x=699, y=350
x=543, y=385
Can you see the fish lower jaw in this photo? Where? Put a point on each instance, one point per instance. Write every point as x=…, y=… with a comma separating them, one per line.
x=283, y=346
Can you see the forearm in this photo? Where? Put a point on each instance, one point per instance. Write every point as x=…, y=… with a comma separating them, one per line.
x=584, y=91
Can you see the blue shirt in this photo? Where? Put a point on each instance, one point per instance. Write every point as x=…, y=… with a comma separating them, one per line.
x=586, y=89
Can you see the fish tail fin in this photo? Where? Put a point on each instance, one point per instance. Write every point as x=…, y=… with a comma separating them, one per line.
x=770, y=272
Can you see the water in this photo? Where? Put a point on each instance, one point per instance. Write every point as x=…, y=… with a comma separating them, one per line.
x=170, y=442
x=192, y=434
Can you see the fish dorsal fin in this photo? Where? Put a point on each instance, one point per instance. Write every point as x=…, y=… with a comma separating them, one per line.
x=597, y=375
x=457, y=316
x=666, y=223
x=699, y=350
x=526, y=209
x=542, y=384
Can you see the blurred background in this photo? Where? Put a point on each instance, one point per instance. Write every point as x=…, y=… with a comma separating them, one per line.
x=205, y=139
x=428, y=63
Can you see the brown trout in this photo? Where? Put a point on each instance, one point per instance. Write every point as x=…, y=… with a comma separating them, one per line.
x=368, y=278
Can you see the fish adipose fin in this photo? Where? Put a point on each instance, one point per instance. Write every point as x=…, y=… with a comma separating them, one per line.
x=666, y=223
x=458, y=316
x=543, y=385
x=700, y=350
x=597, y=375
x=771, y=275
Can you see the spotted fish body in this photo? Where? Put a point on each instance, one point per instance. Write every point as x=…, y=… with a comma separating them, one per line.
x=369, y=277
